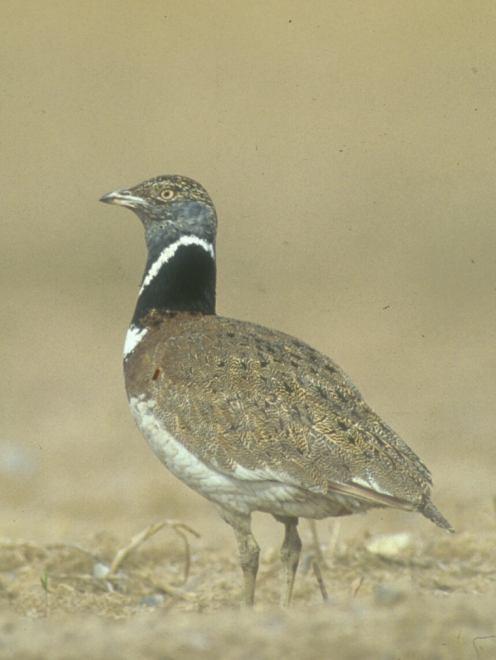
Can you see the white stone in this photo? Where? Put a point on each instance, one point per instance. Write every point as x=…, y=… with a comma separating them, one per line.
x=100, y=570
x=389, y=545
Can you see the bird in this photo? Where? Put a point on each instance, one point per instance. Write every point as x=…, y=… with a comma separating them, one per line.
x=251, y=418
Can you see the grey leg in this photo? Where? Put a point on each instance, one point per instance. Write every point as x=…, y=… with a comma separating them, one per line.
x=249, y=551
x=290, y=556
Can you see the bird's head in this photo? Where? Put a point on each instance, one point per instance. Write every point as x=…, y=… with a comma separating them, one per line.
x=169, y=207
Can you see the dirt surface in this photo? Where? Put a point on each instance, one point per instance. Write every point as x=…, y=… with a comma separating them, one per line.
x=427, y=599
x=349, y=148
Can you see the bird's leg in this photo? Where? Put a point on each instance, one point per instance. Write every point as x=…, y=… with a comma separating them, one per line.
x=249, y=551
x=290, y=556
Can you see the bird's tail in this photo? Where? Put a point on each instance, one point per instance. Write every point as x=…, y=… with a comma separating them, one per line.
x=430, y=511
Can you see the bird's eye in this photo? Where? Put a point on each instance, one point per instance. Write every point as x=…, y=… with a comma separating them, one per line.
x=167, y=194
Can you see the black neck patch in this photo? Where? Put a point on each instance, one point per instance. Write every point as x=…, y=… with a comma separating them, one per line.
x=185, y=283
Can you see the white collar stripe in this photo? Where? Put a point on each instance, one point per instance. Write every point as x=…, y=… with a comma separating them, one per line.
x=133, y=337
x=167, y=254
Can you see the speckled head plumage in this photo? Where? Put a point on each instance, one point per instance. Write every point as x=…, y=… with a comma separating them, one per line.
x=169, y=206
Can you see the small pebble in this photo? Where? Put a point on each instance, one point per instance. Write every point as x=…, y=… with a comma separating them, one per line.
x=153, y=600
x=388, y=545
x=100, y=570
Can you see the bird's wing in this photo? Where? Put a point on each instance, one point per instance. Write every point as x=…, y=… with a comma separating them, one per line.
x=277, y=409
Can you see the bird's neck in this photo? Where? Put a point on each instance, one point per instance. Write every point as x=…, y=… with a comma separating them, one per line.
x=179, y=277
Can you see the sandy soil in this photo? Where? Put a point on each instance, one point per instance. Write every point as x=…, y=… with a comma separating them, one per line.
x=431, y=598
x=349, y=148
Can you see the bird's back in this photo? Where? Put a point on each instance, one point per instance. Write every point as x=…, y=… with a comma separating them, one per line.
x=251, y=401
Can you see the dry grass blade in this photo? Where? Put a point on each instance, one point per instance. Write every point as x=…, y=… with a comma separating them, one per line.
x=187, y=554
x=148, y=532
x=175, y=592
x=356, y=585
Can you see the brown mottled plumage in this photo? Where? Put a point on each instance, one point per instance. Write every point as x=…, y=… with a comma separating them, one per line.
x=276, y=404
x=250, y=417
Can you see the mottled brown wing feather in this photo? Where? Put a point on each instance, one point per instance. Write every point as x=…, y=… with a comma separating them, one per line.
x=275, y=407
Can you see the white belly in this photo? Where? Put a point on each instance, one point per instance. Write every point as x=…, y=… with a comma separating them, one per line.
x=239, y=494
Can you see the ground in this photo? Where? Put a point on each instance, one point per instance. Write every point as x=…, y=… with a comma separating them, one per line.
x=431, y=598
x=172, y=590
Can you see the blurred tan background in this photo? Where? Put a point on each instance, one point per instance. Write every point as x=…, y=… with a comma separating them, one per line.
x=349, y=148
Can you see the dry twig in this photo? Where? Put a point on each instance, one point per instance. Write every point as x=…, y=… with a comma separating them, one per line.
x=148, y=532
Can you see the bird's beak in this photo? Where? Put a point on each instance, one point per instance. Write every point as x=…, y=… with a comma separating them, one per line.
x=122, y=198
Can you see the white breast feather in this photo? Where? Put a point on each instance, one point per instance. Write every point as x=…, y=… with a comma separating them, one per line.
x=133, y=337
